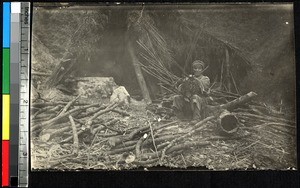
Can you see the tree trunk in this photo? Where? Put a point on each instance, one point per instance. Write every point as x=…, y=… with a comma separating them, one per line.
x=139, y=74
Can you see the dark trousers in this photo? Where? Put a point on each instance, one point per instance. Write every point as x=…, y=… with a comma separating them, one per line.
x=193, y=108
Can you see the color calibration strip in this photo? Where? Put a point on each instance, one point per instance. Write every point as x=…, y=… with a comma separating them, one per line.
x=6, y=96
x=23, y=156
x=15, y=35
x=15, y=93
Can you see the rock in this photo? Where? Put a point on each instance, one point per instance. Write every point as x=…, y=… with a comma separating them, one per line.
x=90, y=89
x=55, y=95
x=121, y=96
x=96, y=88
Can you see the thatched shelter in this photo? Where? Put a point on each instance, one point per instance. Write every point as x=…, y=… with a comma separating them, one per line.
x=244, y=46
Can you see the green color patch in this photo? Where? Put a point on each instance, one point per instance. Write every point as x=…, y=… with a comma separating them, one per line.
x=6, y=71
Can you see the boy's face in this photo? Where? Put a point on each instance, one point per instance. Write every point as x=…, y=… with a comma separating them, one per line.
x=197, y=69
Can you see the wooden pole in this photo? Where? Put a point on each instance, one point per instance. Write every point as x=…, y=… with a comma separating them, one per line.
x=139, y=74
x=227, y=64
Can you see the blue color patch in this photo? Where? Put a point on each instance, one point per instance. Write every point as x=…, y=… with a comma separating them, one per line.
x=6, y=24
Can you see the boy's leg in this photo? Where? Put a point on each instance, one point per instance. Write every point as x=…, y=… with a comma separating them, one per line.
x=178, y=104
x=198, y=105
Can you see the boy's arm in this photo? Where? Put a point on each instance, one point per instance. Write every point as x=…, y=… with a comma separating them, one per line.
x=178, y=84
x=206, y=83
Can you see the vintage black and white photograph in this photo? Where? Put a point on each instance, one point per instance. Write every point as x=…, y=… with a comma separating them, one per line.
x=168, y=86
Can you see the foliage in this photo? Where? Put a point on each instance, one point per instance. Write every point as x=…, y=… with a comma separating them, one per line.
x=67, y=30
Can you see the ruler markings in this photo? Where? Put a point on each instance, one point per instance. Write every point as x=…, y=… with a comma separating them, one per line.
x=24, y=95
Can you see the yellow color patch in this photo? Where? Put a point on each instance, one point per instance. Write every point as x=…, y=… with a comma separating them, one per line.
x=5, y=117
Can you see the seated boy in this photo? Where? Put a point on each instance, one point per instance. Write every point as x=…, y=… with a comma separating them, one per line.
x=194, y=90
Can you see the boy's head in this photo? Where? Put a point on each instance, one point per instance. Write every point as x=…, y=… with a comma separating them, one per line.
x=198, y=67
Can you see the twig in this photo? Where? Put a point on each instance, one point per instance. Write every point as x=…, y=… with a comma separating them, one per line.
x=139, y=145
x=107, y=109
x=185, y=135
x=37, y=113
x=141, y=14
x=54, y=120
x=89, y=149
x=108, y=135
x=144, y=163
x=107, y=125
x=129, y=146
x=192, y=45
x=117, y=140
x=283, y=131
x=121, y=112
x=183, y=160
x=47, y=110
x=246, y=147
x=279, y=125
x=179, y=147
x=272, y=119
x=68, y=105
x=56, y=103
x=75, y=135
x=234, y=83
x=87, y=114
x=71, y=137
x=153, y=140
x=120, y=150
x=222, y=67
x=40, y=73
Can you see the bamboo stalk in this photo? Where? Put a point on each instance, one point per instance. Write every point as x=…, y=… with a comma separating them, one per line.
x=234, y=83
x=159, y=68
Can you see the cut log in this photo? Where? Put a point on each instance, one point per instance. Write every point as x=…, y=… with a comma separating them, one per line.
x=217, y=110
x=241, y=100
x=227, y=123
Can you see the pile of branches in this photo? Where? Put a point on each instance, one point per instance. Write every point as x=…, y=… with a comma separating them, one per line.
x=77, y=135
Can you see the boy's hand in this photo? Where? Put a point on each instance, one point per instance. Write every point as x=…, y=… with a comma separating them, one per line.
x=208, y=92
